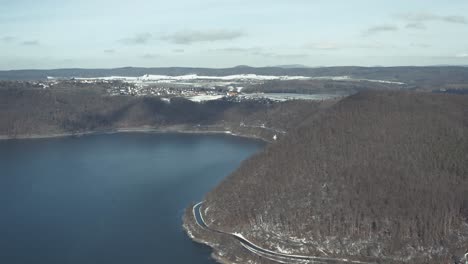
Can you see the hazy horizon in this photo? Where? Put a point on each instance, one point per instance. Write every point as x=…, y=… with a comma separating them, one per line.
x=53, y=34
x=228, y=67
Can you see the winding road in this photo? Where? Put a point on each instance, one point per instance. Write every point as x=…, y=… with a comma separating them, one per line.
x=271, y=255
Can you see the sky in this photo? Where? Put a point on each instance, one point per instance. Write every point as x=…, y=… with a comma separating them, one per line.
x=50, y=34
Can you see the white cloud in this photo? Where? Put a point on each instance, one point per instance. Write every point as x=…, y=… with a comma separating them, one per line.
x=380, y=29
x=30, y=43
x=139, y=39
x=416, y=25
x=423, y=17
x=150, y=56
x=262, y=52
x=420, y=45
x=324, y=46
x=189, y=37
x=7, y=39
x=331, y=46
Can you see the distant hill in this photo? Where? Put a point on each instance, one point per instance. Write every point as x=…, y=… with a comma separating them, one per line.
x=417, y=76
x=291, y=66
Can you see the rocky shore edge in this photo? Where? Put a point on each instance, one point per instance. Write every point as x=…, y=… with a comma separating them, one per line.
x=226, y=250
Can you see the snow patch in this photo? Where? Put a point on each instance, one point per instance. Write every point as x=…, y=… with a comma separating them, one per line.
x=192, y=77
x=238, y=77
x=203, y=98
x=281, y=97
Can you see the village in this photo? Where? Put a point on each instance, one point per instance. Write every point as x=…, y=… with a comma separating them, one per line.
x=192, y=87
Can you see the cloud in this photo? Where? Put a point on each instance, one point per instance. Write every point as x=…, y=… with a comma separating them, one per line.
x=139, y=39
x=7, y=39
x=261, y=52
x=233, y=49
x=149, y=56
x=375, y=45
x=420, y=45
x=425, y=17
x=266, y=54
x=189, y=37
x=462, y=55
x=455, y=19
x=178, y=50
x=332, y=46
x=250, y=51
x=67, y=61
x=30, y=43
x=380, y=29
x=289, y=56
x=415, y=25
x=324, y=46
x=109, y=51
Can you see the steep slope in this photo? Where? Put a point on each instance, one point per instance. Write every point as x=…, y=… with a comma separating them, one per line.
x=380, y=176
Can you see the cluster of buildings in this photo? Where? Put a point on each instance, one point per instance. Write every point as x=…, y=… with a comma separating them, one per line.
x=193, y=87
x=168, y=91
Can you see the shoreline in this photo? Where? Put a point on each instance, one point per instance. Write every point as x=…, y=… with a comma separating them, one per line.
x=244, y=249
x=143, y=129
x=224, y=249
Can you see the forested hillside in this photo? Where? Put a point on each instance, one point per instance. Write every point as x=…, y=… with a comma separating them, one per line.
x=26, y=110
x=380, y=175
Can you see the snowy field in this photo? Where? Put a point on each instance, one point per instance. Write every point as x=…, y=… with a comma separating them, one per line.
x=281, y=97
x=203, y=98
x=187, y=79
x=195, y=77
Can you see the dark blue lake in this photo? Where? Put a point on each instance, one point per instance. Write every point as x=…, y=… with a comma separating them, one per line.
x=109, y=198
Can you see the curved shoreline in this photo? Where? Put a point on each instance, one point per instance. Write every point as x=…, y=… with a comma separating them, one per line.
x=171, y=129
x=217, y=255
x=266, y=253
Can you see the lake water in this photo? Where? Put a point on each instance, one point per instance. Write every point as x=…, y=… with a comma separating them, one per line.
x=109, y=198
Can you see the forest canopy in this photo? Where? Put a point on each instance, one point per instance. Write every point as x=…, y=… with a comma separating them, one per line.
x=380, y=174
